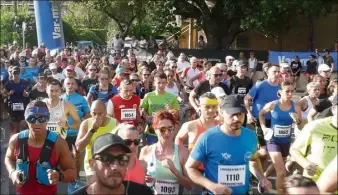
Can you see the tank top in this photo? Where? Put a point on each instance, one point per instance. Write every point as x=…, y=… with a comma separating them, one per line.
x=102, y=130
x=174, y=90
x=281, y=123
x=165, y=179
x=33, y=186
x=252, y=62
x=56, y=113
x=125, y=111
x=136, y=174
x=305, y=113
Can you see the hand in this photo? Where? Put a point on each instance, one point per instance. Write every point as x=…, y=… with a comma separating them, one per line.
x=168, y=163
x=53, y=176
x=251, y=118
x=11, y=92
x=311, y=169
x=15, y=179
x=97, y=123
x=25, y=94
x=140, y=127
x=220, y=189
x=264, y=183
x=62, y=123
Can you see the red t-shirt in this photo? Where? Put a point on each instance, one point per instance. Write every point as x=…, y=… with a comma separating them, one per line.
x=284, y=76
x=33, y=186
x=125, y=111
x=116, y=82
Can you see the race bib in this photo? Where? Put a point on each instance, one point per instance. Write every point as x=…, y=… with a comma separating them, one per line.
x=56, y=128
x=231, y=175
x=241, y=90
x=166, y=187
x=18, y=107
x=128, y=114
x=282, y=131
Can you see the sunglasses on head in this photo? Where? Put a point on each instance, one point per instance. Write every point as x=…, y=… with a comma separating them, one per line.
x=165, y=129
x=109, y=159
x=34, y=119
x=129, y=142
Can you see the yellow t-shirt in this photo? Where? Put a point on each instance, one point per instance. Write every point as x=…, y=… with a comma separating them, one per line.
x=318, y=143
x=102, y=130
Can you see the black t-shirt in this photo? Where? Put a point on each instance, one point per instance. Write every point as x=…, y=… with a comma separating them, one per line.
x=43, y=68
x=323, y=108
x=87, y=83
x=240, y=86
x=259, y=66
x=205, y=86
x=131, y=189
x=295, y=66
x=311, y=67
x=37, y=95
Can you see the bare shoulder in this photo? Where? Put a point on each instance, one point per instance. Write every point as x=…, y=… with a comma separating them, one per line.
x=145, y=151
x=13, y=141
x=183, y=150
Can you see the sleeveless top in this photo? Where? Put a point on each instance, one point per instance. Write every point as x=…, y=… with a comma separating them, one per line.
x=33, y=186
x=174, y=90
x=305, y=113
x=281, y=123
x=165, y=179
x=136, y=174
x=57, y=113
x=102, y=130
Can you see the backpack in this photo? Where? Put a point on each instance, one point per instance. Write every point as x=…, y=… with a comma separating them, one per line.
x=97, y=89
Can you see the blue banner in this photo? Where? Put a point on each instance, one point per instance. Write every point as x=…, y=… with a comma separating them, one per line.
x=49, y=24
x=276, y=57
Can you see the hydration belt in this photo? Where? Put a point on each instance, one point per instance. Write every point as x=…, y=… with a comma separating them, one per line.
x=43, y=163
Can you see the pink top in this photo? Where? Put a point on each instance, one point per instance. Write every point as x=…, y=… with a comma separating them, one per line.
x=136, y=174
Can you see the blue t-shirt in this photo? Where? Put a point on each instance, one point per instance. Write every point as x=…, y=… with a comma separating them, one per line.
x=81, y=106
x=4, y=75
x=226, y=158
x=281, y=123
x=103, y=95
x=18, y=89
x=32, y=72
x=262, y=93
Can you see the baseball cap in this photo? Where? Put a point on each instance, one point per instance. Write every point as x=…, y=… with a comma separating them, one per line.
x=70, y=68
x=47, y=72
x=323, y=68
x=229, y=57
x=107, y=140
x=285, y=65
x=52, y=66
x=42, y=74
x=240, y=63
x=218, y=92
x=22, y=54
x=120, y=70
x=232, y=104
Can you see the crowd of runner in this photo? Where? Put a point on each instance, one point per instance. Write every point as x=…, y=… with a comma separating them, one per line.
x=168, y=126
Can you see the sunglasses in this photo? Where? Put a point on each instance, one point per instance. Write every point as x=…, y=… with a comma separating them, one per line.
x=217, y=75
x=92, y=70
x=129, y=142
x=109, y=159
x=135, y=80
x=34, y=120
x=165, y=129
x=145, y=74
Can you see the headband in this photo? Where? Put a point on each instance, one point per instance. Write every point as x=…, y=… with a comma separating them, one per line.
x=42, y=111
x=209, y=101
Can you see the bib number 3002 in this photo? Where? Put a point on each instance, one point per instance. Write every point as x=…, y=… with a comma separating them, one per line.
x=231, y=175
x=166, y=187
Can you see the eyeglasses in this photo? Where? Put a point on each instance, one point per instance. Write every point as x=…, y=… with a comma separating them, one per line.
x=109, y=159
x=129, y=142
x=165, y=129
x=103, y=79
x=33, y=119
x=223, y=71
x=217, y=75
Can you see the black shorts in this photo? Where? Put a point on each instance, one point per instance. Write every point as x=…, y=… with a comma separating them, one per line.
x=283, y=148
x=259, y=131
x=16, y=116
x=71, y=141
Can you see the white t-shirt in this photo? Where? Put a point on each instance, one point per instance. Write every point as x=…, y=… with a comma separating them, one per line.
x=117, y=43
x=182, y=65
x=79, y=73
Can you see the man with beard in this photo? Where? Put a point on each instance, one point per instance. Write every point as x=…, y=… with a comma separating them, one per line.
x=226, y=168
x=109, y=162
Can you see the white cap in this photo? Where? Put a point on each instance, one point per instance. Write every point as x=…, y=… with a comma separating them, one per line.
x=323, y=67
x=218, y=92
x=235, y=63
x=285, y=65
x=229, y=57
x=52, y=66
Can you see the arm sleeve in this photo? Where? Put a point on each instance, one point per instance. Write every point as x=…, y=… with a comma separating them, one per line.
x=303, y=140
x=144, y=103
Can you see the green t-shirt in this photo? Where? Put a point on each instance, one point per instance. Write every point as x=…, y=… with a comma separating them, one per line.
x=152, y=102
x=318, y=143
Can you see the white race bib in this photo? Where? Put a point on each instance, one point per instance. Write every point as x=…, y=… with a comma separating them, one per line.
x=241, y=90
x=56, y=128
x=163, y=186
x=282, y=131
x=231, y=175
x=128, y=114
x=18, y=106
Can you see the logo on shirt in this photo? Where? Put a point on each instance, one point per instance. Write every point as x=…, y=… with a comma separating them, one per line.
x=135, y=106
x=122, y=106
x=226, y=156
x=247, y=156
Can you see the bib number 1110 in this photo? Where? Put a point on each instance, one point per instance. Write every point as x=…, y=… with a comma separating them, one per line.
x=232, y=177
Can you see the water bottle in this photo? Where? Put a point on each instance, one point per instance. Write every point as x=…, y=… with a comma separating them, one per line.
x=74, y=185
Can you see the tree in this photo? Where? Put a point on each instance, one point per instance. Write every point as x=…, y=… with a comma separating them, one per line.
x=228, y=18
x=122, y=12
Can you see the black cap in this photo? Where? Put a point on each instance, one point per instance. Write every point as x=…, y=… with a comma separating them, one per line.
x=47, y=72
x=326, y=50
x=232, y=104
x=42, y=74
x=107, y=140
x=335, y=100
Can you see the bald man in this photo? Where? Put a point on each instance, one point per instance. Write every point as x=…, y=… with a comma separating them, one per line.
x=214, y=80
x=90, y=129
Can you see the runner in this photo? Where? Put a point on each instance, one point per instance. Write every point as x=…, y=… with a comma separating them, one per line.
x=165, y=160
x=146, y=84
x=329, y=186
x=173, y=87
x=224, y=70
x=125, y=106
x=60, y=110
x=239, y=83
x=283, y=113
x=136, y=171
x=103, y=90
x=297, y=184
x=17, y=91
x=134, y=77
x=189, y=73
x=39, y=90
x=90, y=79
x=90, y=129
x=121, y=74
x=37, y=159
x=155, y=101
x=110, y=163
x=56, y=75
x=227, y=167
x=296, y=67
x=316, y=145
x=311, y=68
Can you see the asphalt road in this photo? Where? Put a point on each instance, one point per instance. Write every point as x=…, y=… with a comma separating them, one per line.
x=8, y=188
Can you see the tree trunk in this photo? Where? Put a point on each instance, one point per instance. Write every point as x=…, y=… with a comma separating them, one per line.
x=220, y=39
x=311, y=28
